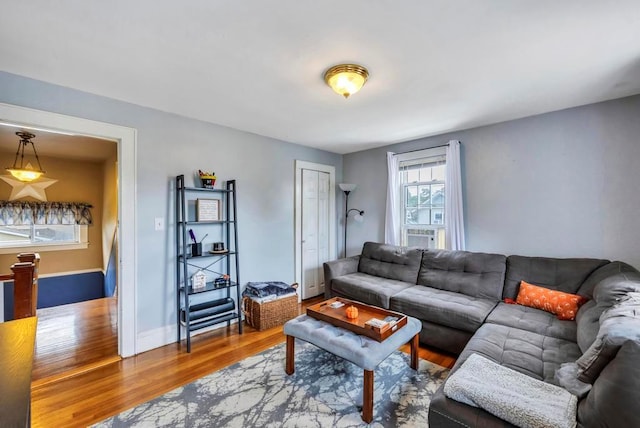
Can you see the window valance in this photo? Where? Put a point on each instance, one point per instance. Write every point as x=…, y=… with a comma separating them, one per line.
x=23, y=213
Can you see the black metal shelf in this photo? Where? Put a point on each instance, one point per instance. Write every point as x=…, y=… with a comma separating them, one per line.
x=204, y=189
x=197, y=325
x=195, y=223
x=209, y=286
x=217, y=302
x=207, y=255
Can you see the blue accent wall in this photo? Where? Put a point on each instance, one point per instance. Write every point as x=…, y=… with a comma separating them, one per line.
x=60, y=290
x=110, y=277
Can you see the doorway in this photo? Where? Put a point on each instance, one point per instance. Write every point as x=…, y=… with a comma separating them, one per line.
x=77, y=298
x=315, y=225
x=125, y=139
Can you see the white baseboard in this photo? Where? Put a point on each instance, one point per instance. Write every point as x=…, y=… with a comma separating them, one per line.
x=166, y=335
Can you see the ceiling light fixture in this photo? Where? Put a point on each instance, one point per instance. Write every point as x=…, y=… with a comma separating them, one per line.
x=346, y=79
x=25, y=172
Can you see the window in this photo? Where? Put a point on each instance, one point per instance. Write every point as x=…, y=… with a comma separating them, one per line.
x=43, y=226
x=43, y=237
x=422, y=179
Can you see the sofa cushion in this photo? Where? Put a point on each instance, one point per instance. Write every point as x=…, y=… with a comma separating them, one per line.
x=563, y=305
x=618, y=325
x=527, y=352
x=611, y=290
x=389, y=261
x=533, y=320
x=474, y=274
x=604, y=272
x=606, y=286
x=447, y=413
x=443, y=307
x=557, y=274
x=588, y=324
x=614, y=396
x=530, y=353
x=368, y=289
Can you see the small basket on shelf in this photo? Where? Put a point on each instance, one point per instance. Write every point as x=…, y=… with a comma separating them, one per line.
x=208, y=179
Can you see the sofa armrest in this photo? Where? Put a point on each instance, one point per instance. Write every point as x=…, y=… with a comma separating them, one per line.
x=336, y=268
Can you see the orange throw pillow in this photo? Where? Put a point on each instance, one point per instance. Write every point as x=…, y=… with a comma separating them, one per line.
x=564, y=305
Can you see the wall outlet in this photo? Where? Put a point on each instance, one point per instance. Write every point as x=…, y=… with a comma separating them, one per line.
x=159, y=223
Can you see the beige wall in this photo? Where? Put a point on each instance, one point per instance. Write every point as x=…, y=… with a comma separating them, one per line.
x=78, y=181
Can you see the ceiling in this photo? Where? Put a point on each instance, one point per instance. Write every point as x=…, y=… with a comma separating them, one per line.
x=75, y=147
x=257, y=66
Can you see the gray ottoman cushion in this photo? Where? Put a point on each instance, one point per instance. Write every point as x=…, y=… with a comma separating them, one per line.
x=565, y=275
x=360, y=350
x=443, y=307
x=372, y=290
x=534, y=320
x=389, y=261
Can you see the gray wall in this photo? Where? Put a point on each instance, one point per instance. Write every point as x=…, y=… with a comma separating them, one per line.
x=562, y=184
x=168, y=145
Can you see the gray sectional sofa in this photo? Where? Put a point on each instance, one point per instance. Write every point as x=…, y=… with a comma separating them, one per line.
x=459, y=298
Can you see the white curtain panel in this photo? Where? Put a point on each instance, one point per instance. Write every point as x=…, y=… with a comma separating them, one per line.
x=392, y=218
x=454, y=224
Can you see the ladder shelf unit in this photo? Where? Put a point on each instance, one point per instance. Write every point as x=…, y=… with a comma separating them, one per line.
x=218, y=300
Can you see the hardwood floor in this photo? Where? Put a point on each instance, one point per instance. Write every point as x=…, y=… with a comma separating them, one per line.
x=75, y=337
x=92, y=396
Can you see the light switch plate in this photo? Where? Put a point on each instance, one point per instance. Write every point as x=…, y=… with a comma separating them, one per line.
x=159, y=223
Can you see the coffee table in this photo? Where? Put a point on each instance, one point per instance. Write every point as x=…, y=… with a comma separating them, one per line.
x=363, y=351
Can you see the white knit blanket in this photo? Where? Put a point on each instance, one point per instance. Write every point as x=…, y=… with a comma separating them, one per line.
x=510, y=395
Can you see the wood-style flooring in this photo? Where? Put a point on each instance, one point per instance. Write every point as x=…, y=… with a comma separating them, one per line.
x=94, y=395
x=75, y=337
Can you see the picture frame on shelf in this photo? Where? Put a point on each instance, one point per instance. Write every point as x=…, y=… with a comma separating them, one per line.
x=208, y=209
x=199, y=280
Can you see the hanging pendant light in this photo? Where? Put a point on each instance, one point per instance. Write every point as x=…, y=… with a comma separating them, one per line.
x=346, y=79
x=25, y=172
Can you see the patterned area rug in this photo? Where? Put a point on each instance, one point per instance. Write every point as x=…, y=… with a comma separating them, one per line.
x=324, y=391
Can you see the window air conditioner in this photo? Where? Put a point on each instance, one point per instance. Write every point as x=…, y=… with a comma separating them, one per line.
x=421, y=238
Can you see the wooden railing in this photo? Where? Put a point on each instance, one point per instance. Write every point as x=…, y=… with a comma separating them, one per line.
x=25, y=285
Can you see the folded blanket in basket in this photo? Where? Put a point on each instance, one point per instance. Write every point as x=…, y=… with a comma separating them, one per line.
x=271, y=297
x=263, y=289
x=511, y=395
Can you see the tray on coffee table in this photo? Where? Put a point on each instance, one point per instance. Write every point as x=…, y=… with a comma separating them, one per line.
x=337, y=316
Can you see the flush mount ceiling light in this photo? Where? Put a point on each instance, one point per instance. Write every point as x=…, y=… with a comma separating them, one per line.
x=346, y=79
x=25, y=172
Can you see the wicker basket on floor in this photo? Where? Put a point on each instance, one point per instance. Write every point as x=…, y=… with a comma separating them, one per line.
x=262, y=316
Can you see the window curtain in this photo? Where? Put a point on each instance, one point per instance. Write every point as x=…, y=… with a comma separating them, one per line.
x=392, y=219
x=454, y=223
x=14, y=213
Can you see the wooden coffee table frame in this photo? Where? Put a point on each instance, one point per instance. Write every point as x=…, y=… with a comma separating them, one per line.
x=367, y=390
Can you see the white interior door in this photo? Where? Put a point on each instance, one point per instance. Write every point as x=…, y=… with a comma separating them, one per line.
x=315, y=230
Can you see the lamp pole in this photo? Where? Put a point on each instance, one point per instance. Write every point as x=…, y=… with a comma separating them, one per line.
x=347, y=188
x=346, y=218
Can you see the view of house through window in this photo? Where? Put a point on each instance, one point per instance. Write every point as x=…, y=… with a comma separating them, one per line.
x=40, y=235
x=423, y=182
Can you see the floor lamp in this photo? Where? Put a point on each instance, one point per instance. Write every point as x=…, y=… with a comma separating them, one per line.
x=347, y=188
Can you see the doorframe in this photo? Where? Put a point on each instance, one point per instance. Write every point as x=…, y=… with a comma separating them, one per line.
x=126, y=143
x=331, y=170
